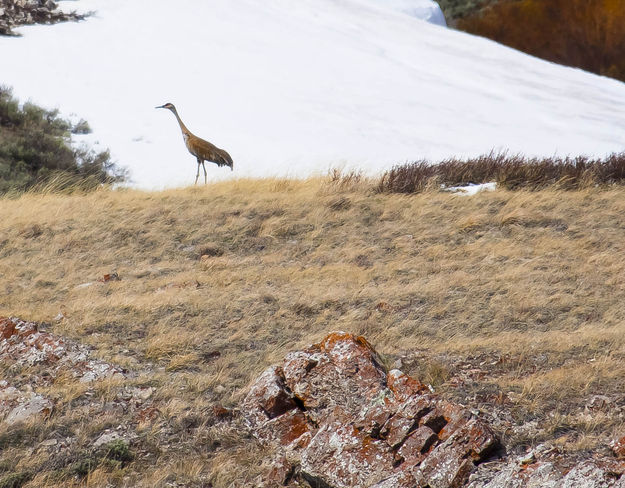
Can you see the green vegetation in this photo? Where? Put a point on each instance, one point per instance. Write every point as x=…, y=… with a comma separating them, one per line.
x=14, y=480
x=35, y=151
x=456, y=9
x=114, y=455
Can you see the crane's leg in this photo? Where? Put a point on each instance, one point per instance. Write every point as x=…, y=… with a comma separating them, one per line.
x=204, y=166
x=198, y=171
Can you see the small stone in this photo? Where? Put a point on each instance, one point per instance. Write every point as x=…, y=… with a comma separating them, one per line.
x=106, y=438
x=142, y=393
x=35, y=406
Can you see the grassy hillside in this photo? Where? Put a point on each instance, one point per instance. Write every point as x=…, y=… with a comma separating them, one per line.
x=518, y=294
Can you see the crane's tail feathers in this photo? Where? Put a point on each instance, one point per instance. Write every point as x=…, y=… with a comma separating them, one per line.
x=226, y=160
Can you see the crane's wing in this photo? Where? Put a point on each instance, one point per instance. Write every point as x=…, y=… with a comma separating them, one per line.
x=212, y=153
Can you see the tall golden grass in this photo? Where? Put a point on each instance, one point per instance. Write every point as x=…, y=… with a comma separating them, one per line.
x=220, y=281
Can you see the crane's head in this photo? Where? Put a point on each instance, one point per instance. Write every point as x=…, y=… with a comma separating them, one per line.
x=168, y=106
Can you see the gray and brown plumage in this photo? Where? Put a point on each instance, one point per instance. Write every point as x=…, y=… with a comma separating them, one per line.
x=201, y=149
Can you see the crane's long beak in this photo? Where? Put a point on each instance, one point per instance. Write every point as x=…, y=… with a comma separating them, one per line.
x=162, y=106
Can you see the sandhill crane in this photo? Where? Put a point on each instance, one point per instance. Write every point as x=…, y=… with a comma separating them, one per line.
x=201, y=149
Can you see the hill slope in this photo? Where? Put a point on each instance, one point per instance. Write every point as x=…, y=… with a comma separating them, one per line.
x=507, y=301
x=293, y=89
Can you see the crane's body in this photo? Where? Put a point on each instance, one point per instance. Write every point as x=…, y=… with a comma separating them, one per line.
x=198, y=147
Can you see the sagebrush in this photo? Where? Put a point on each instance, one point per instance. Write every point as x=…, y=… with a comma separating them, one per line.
x=512, y=172
x=36, y=151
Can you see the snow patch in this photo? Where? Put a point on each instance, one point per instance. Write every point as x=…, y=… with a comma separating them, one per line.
x=471, y=189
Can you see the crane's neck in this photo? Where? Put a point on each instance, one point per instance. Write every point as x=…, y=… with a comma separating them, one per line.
x=183, y=127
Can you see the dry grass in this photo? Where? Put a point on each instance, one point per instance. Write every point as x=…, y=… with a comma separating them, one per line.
x=218, y=282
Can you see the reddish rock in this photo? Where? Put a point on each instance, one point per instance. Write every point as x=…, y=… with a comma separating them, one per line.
x=22, y=343
x=286, y=429
x=435, y=420
x=279, y=472
x=373, y=417
x=418, y=407
x=339, y=416
x=416, y=446
x=591, y=473
x=221, y=413
x=396, y=429
x=7, y=328
x=269, y=394
x=109, y=277
x=327, y=374
x=450, y=463
x=618, y=447
x=455, y=417
x=403, y=479
x=340, y=456
x=403, y=386
x=445, y=467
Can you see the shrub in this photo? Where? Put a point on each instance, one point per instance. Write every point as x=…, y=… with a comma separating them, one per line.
x=113, y=455
x=511, y=172
x=15, y=480
x=457, y=9
x=587, y=34
x=35, y=150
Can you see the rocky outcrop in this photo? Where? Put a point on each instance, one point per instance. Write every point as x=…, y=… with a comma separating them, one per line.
x=18, y=405
x=23, y=344
x=555, y=471
x=23, y=12
x=45, y=356
x=334, y=417
x=337, y=418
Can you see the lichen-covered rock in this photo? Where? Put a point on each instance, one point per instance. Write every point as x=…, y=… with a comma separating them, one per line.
x=555, y=473
x=328, y=374
x=23, y=344
x=339, y=455
x=341, y=420
x=618, y=447
x=41, y=357
x=19, y=405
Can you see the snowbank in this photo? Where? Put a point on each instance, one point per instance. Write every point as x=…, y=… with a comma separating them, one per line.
x=295, y=88
x=427, y=10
